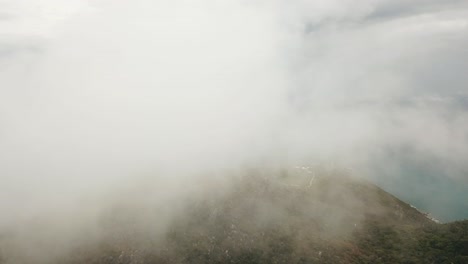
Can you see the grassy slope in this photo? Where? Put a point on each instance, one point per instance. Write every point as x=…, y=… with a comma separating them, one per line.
x=271, y=220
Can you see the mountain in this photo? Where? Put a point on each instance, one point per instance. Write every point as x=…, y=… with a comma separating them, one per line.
x=291, y=216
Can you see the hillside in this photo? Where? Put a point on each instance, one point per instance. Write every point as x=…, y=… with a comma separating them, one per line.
x=291, y=217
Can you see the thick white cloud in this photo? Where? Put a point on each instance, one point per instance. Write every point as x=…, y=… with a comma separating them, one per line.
x=94, y=93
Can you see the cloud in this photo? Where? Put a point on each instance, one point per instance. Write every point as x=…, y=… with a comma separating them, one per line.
x=132, y=90
x=118, y=90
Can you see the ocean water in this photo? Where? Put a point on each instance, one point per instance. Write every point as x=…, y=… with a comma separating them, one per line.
x=426, y=183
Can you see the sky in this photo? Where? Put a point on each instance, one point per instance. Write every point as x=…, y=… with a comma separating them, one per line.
x=97, y=94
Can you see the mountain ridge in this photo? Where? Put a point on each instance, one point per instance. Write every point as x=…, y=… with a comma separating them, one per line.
x=286, y=216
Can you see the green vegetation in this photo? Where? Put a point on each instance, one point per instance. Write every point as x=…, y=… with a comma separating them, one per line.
x=267, y=220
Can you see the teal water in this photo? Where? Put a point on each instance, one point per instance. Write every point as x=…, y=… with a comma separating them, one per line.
x=426, y=184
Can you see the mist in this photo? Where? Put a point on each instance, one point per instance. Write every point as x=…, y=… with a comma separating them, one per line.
x=149, y=103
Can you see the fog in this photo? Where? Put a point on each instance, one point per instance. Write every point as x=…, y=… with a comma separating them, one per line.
x=144, y=102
